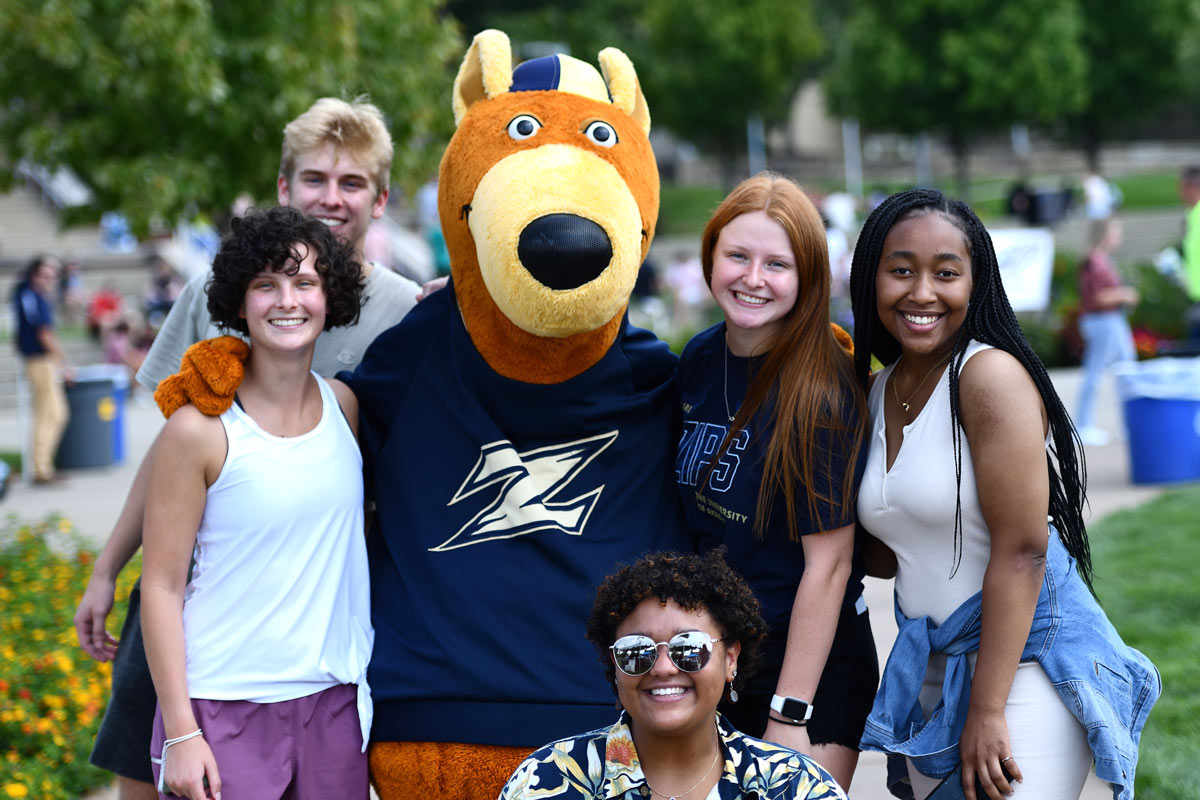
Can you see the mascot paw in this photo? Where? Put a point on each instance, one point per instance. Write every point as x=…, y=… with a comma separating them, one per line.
x=209, y=375
x=843, y=338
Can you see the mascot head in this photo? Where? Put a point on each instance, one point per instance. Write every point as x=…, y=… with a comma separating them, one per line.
x=548, y=195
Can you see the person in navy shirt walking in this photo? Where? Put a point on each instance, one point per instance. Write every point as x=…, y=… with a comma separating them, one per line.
x=45, y=363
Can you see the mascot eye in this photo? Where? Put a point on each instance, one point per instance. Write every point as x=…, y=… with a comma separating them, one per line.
x=601, y=133
x=523, y=127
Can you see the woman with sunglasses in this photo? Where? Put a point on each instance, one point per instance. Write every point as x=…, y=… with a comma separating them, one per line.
x=673, y=631
x=768, y=465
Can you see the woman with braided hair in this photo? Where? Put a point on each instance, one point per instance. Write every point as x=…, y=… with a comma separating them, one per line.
x=974, y=485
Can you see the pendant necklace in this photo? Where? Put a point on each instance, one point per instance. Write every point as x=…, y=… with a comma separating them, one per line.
x=906, y=404
x=725, y=388
x=707, y=772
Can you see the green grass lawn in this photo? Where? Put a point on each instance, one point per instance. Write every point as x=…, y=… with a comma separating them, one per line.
x=1150, y=190
x=1145, y=562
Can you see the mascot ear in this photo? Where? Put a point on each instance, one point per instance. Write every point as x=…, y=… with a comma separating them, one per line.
x=623, y=86
x=485, y=73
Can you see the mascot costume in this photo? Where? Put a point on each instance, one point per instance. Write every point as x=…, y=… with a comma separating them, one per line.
x=516, y=430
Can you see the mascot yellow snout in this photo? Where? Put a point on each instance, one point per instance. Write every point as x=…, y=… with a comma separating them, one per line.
x=548, y=195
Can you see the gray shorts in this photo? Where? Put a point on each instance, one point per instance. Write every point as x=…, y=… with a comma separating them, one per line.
x=123, y=741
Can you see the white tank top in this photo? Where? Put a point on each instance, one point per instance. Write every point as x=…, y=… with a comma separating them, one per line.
x=279, y=602
x=911, y=507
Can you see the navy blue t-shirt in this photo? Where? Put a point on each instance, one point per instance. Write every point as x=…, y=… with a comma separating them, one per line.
x=33, y=313
x=500, y=505
x=723, y=511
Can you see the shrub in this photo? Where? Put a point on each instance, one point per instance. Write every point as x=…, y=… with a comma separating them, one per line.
x=52, y=694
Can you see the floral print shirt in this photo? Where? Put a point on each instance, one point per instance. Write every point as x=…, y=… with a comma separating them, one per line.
x=603, y=765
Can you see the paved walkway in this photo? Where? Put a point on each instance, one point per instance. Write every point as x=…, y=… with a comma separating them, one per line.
x=92, y=499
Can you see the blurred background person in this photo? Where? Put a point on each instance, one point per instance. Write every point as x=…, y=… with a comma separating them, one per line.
x=104, y=310
x=70, y=292
x=1100, y=198
x=1189, y=192
x=46, y=365
x=162, y=288
x=1103, y=324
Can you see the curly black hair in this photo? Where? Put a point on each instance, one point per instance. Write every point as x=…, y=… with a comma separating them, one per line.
x=696, y=582
x=270, y=239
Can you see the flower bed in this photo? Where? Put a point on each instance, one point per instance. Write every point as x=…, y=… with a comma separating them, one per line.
x=52, y=694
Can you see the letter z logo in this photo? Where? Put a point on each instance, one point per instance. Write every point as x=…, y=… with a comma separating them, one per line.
x=529, y=484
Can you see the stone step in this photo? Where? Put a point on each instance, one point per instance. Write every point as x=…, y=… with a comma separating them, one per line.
x=29, y=226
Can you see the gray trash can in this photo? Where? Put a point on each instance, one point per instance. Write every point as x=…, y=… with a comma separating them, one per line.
x=119, y=375
x=1161, y=402
x=88, y=439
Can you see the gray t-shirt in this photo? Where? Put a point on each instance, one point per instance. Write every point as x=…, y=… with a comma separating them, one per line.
x=387, y=298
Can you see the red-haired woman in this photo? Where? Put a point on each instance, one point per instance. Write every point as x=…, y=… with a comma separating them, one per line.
x=769, y=460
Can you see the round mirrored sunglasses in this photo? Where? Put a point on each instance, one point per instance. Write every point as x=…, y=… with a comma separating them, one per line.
x=636, y=654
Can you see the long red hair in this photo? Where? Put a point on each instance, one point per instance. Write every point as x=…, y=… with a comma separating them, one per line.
x=806, y=371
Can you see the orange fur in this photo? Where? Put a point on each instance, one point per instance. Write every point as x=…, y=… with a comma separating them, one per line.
x=443, y=770
x=209, y=375
x=482, y=140
x=843, y=338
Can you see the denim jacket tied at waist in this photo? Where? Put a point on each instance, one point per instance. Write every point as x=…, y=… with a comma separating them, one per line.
x=1108, y=686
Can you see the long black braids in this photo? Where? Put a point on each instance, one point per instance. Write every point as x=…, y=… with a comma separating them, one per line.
x=989, y=319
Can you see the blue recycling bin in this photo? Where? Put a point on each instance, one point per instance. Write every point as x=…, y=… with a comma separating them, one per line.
x=1161, y=404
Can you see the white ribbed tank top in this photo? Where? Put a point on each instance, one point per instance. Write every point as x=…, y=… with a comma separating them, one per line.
x=279, y=602
x=911, y=507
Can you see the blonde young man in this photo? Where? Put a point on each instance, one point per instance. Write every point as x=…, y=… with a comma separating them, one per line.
x=334, y=167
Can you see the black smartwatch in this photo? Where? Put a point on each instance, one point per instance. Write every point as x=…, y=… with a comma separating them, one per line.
x=792, y=708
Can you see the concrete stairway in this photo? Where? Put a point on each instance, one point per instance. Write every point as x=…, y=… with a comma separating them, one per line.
x=28, y=226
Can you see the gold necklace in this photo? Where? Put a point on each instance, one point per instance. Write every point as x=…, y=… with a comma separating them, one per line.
x=725, y=387
x=906, y=404
x=707, y=772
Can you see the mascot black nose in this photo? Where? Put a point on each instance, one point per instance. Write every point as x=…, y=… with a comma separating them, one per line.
x=563, y=251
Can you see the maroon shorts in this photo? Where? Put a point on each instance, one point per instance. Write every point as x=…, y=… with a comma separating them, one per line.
x=309, y=748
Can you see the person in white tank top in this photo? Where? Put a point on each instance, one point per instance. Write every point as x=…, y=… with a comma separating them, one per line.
x=958, y=487
x=267, y=500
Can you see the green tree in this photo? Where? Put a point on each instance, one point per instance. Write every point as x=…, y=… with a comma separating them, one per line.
x=960, y=68
x=1135, y=51
x=709, y=65
x=169, y=107
x=705, y=65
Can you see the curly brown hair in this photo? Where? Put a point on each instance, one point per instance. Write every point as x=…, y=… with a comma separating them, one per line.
x=696, y=582
x=269, y=240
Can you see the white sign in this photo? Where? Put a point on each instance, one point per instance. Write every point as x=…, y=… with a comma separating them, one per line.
x=1026, y=258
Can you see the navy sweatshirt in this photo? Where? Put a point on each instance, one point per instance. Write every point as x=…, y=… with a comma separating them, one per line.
x=500, y=505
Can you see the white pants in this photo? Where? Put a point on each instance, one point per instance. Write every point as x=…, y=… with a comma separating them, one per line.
x=1048, y=743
